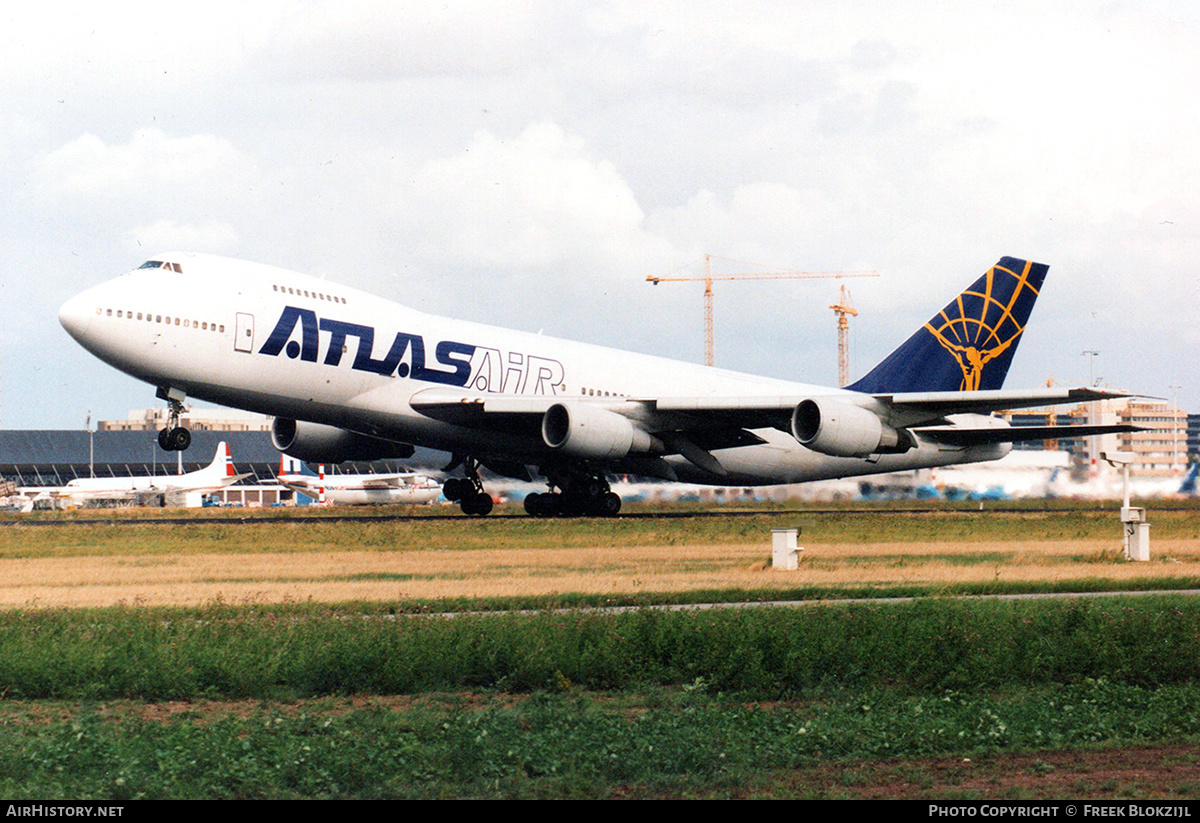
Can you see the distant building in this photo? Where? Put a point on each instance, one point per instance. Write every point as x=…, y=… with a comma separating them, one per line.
x=216, y=420
x=1193, y=438
x=39, y=458
x=1161, y=450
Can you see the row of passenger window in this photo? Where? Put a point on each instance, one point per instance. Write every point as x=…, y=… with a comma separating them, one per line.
x=187, y=323
x=333, y=298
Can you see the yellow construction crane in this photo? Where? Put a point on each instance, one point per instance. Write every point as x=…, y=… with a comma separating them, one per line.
x=844, y=312
x=709, y=277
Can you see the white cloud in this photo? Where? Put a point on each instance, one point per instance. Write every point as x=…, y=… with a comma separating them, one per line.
x=529, y=163
x=151, y=165
x=527, y=203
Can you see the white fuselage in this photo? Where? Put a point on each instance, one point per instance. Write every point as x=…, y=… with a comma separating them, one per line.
x=286, y=344
x=362, y=489
x=215, y=476
x=95, y=486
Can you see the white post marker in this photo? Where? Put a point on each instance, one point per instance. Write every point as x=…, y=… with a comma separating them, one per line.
x=784, y=553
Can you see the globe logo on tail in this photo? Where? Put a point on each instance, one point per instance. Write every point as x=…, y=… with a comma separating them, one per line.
x=983, y=322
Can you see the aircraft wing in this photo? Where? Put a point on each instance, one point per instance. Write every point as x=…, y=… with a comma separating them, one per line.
x=696, y=426
x=686, y=414
x=385, y=481
x=369, y=481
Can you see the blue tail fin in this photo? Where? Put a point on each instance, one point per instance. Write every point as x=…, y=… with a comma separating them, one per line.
x=969, y=344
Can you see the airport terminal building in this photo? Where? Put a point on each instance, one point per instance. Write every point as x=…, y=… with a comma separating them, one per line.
x=49, y=458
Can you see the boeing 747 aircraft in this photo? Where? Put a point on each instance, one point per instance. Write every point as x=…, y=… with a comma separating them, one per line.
x=348, y=375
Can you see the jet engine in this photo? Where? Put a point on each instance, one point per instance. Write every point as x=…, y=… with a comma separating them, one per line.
x=591, y=432
x=842, y=430
x=318, y=443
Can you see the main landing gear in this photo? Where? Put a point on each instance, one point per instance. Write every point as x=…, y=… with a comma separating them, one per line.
x=468, y=492
x=174, y=438
x=579, y=495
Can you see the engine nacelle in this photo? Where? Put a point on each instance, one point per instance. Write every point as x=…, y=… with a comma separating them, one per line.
x=842, y=430
x=318, y=443
x=591, y=432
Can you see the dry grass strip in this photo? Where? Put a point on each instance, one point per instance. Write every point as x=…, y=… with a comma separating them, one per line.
x=398, y=575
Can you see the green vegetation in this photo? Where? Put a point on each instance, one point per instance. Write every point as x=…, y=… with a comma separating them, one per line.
x=689, y=742
x=573, y=704
x=436, y=698
x=768, y=653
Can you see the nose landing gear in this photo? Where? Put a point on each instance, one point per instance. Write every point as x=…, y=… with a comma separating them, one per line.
x=174, y=438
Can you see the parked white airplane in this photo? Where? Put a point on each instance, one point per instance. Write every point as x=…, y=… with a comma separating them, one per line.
x=350, y=375
x=1107, y=483
x=356, y=489
x=215, y=476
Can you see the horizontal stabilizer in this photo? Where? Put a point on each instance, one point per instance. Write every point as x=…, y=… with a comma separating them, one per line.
x=978, y=436
x=982, y=402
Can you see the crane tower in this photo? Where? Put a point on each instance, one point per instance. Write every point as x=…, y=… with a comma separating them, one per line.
x=709, y=277
x=844, y=312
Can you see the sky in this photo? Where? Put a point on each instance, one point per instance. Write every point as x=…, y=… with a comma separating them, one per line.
x=530, y=164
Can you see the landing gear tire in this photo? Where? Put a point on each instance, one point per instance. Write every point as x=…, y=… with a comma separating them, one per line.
x=174, y=439
x=541, y=505
x=468, y=492
x=610, y=505
x=555, y=504
x=453, y=489
x=478, y=504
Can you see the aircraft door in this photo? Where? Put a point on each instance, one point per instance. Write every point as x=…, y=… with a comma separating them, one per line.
x=243, y=337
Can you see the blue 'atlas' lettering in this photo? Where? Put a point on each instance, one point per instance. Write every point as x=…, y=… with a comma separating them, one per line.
x=307, y=348
x=445, y=354
x=338, y=332
x=406, y=356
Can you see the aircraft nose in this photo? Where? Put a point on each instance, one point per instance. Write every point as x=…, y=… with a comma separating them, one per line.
x=76, y=314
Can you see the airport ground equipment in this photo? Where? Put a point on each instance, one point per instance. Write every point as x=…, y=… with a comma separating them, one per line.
x=1135, y=527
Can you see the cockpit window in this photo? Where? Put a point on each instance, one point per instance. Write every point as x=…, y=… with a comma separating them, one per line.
x=158, y=264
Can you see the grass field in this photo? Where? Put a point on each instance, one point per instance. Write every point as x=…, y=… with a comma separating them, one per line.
x=299, y=657
x=530, y=561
